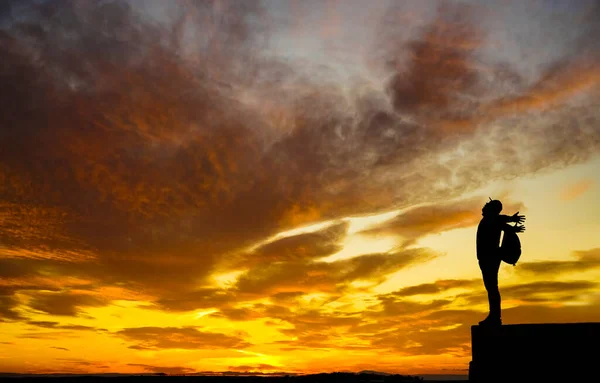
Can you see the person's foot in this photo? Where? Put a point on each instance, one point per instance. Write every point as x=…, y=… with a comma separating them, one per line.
x=491, y=321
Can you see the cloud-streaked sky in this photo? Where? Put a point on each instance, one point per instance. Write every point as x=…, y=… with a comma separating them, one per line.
x=288, y=185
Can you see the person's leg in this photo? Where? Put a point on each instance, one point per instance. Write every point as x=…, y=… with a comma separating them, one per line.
x=489, y=271
x=490, y=281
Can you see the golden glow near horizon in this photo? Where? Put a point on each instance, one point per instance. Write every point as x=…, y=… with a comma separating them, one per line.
x=213, y=188
x=27, y=347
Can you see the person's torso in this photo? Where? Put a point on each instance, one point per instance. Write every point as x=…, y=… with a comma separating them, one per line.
x=488, y=236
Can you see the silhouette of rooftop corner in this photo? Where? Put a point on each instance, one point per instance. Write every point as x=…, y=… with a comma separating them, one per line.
x=534, y=352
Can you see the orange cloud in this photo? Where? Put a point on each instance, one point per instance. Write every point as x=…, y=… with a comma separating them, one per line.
x=548, y=290
x=542, y=292
x=61, y=348
x=574, y=191
x=326, y=276
x=301, y=247
x=259, y=367
x=455, y=341
x=57, y=325
x=171, y=370
x=196, y=299
x=72, y=365
x=8, y=305
x=176, y=170
x=585, y=260
x=436, y=218
x=64, y=303
x=136, y=166
x=155, y=338
x=545, y=314
x=557, y=86
x=441, y=71
x=435, y=287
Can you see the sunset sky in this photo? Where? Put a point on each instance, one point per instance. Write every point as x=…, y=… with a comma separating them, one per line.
x=248, y=185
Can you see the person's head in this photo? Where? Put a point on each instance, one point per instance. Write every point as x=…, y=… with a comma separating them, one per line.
x=493, y=207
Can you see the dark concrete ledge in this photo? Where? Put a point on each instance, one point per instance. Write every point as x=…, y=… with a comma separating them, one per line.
x=535, y=352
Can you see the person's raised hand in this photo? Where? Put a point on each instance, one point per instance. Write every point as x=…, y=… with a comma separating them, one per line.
x=519, y=229
x=518, y=218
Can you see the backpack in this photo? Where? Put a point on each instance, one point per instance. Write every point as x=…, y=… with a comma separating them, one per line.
x=510, y=249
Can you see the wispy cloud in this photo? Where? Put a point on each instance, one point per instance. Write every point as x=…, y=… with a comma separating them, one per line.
x=575, y=190
x=154, y=338
x=164, y=369
x=147, y=147
x=584, y=260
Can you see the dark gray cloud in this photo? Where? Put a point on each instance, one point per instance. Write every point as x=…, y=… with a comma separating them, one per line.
x=441, y=76
x=19, y=268
x=8, y=305
x=64, y=303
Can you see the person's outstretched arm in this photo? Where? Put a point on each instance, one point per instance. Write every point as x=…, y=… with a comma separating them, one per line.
x=517, y=228
x=512, y=218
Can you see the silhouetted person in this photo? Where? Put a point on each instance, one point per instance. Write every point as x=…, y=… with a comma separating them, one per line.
x=488, y=254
